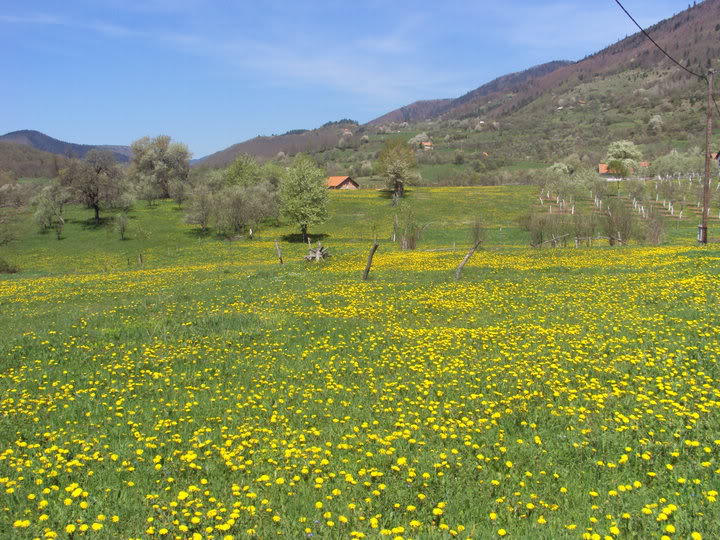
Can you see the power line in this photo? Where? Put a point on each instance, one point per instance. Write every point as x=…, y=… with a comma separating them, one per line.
x=716, y=104
x=656, y=44
x=703, y=77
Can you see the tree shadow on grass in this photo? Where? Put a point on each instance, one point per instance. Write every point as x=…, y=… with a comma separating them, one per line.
x=91, y=224
x=388, y=193
x=199, y=233
x=296, y=238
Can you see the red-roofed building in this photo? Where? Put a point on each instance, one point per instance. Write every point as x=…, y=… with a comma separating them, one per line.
x=341, y=182
x=604, y=169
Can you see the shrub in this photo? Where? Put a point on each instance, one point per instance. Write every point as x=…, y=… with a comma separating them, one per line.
x=7, y=267
x=121, y=225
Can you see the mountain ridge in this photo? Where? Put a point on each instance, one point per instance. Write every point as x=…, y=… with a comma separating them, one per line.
x=428, y=109
x=45, y=143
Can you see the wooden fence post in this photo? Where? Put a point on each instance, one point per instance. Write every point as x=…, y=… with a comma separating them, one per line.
x=459, y=270
x=279, y=252
x=373, y=249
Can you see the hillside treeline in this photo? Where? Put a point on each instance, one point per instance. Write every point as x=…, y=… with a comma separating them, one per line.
x=22, y=161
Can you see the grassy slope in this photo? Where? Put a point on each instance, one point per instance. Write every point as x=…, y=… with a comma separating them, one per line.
x=552, y=388
x=161, y=237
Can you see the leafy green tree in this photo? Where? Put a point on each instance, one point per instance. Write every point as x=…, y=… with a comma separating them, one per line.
x=122, y=222
x=6, y=231
x=50, y=206
x=241, y=208
x=623, y=157
x=201, y=207
x=303, y=194
x=675, y=162
x=655, y=125
x=273, y=173
x=244, y=171
x=6, y=177
x=560, y=168
x=156, y=164
x=395, y=162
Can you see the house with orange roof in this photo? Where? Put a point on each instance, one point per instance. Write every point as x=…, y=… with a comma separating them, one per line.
x=341, y=182
x=427, y=145
x=604, y=169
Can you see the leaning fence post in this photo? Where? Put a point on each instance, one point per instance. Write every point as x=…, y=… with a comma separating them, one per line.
x=459, y=270
x=279, y=252
x=373, y=249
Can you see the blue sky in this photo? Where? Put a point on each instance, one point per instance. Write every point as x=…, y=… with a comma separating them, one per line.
x=214, y=73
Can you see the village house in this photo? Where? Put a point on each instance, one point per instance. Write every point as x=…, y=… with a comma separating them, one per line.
x=342, y=182
x=427, y=145
x=604, y=169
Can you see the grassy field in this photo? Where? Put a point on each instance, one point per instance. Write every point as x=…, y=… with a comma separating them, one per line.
x=209, y=392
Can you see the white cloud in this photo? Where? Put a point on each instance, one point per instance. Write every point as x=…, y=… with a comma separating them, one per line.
x=385, y=67
x=33, y=19
x=100, y=27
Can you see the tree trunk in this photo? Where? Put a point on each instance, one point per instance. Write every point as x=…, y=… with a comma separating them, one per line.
x=303, y=229
x=398, y=192
x=97, y=214
x=59, y=227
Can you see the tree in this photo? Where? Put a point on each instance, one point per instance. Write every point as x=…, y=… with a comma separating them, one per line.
x=619, y=222
x=121, y=224
x=49, y=212
x=303, y=194
x=200, y=210
x=655, y=125
x=240, y=208
x=395, y=162
x=96, y=181
x=6, y=177
x=675, y=162
x=623, y=157
x=179, y=191
x=156, y=164
x=417, y=140
x=244, y=171
x=6, y=233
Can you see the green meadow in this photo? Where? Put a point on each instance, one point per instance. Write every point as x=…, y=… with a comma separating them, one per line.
x=180, y=385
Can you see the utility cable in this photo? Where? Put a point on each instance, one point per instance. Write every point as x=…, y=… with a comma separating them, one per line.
x=699, y=76
x=656, y=44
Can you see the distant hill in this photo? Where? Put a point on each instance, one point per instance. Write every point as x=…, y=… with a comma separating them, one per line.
x=427, y=110
x=45, y=143
x=691, y=36
x=292, y=142
x=415, y=112
x=26, y=162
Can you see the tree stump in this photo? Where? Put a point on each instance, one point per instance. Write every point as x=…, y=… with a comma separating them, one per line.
x=317, y=253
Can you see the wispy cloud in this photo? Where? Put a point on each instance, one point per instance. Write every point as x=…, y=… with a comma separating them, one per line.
x=579, y=28
x=344, y=71
x=384, y=67
x=155, y=6
x=109, y=29
x=32, y=19
x=401, y=40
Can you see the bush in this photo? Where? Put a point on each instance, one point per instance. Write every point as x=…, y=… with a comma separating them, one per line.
x=654, y=228
x=7, y=267
x=619, y=222
x=121, y=225
x=408, y=227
